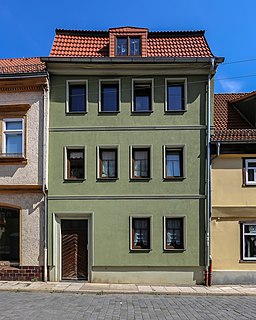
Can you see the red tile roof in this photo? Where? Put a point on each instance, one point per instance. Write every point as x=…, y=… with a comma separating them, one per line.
x=21, y=65
x=229, y=124
x=75, y=43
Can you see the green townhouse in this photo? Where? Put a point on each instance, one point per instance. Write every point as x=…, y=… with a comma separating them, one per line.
x=127, y=199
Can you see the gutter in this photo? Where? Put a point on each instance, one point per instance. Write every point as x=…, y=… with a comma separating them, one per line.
x=208, y=264
x=23, y=76
x=127, y=60
x=44, y=177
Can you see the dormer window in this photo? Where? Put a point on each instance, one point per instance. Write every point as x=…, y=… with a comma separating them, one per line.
x=128, y=46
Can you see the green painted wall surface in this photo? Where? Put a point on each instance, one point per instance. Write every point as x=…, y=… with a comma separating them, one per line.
x=111, y=217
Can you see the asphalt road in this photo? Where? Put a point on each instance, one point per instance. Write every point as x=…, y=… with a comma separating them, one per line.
x=67, y=306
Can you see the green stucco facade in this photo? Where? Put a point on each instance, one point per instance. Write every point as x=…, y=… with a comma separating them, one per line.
x=109, y=205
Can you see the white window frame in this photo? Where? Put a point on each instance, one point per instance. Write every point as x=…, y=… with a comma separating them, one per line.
x=105, y=147
x=66, y=148
x=142, y=146
x=18, y=131
x=110, y=81
x=246, y=171
x=78, y=82
x=175, y=81
x=141, y=216
x=243, y=240
x=184, y=232
x=143, y=80
x=184, y=162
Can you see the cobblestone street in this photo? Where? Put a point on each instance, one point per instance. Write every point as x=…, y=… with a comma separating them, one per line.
x=53, y=306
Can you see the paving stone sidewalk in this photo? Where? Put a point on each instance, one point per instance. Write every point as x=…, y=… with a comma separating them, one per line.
x=104, y=288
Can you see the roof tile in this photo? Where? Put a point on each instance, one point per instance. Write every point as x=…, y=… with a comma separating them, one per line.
x=228, y=123
x=21, y=65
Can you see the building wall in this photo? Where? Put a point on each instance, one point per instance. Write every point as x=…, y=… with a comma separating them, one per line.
x=31, y=173
x=232, y=203
x=107, y=202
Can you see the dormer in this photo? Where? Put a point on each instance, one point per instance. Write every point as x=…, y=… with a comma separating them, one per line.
x=128, y=42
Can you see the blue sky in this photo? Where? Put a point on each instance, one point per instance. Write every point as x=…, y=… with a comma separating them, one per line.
x=27, y=28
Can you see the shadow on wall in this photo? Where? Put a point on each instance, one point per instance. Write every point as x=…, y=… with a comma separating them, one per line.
x=9, y=171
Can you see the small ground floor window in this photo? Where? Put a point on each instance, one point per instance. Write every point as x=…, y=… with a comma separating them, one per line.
x=248, y=240
x=9, y=234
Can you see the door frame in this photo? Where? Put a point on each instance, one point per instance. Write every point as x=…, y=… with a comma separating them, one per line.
x=57, y=243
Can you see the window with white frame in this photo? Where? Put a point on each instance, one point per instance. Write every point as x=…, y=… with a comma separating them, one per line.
x=107, y=162
x=142, y=92
x=141, y=164
x=109, y=96
x=174, y=162
x=249, y=241
x=13, y=137
x=173, y=233
x=75, y=163
x=250, y=171
x=76, y=96
x=140, y=233
x=176, y=95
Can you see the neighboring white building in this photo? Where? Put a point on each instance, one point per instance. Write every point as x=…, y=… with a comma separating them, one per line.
x=23, y=118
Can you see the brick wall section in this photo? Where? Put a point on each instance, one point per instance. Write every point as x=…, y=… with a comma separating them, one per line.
x=22, y=273
x=128, y=32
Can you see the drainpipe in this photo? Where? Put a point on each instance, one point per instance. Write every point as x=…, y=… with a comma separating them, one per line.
x=210, y=212
x=44, y=183
x=208, y=177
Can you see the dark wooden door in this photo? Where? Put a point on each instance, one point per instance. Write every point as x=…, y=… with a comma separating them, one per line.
x=74, y=249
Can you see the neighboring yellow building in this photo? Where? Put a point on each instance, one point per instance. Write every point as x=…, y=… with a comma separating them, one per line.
x=233, y=221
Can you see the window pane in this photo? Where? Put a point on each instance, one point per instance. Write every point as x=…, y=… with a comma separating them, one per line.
x=13, y=125
x=109, y=98
x=77, y=98
x=108, y=162
x=173, y=164
x=251, y=174
x=13, y=143
x=141, y=164
x=75, y=164
x=250, y=228
x=9, y=234
x=141, y=235
x=252, y=164
x=175, y=99
x=174, y=233
x=135, y=46
x=250, y=246
x=142, y=97
x=121, y=46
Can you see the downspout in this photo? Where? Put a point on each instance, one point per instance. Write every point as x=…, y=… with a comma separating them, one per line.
x=44, y=183
x=208, y=177
x=210, y=212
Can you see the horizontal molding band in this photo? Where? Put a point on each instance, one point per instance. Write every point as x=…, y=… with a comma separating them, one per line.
x=4, y=189
x=128, y=197
x=126, y=128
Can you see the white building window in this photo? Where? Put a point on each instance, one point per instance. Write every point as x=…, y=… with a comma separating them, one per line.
x=250, y=171
x=13, y=137
x=249, y=240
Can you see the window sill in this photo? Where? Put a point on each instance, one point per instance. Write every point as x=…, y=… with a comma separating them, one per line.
x=74, y=180
x=169, y=112
x=109, y=112
x=174, y=178
x=13, y=160
x=253, y=185
x=138, y=113
x=140, y=179
x=174, y=250
x=247, y=261
x=140, y=250
x=74, y=113
x=107, y=179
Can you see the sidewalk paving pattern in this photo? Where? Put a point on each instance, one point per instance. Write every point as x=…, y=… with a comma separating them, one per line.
x=104, y=288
